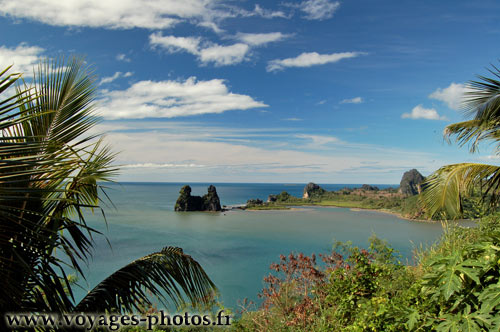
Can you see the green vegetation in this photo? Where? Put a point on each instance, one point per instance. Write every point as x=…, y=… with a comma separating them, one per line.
x=453, y=287
x=448, y=186
x=50, y=169
x=387, y=200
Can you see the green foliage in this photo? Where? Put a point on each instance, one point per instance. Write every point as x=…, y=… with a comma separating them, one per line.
x=460, y=289
x=50, y=174
x=370, y=292
x=454, y=287
x=283, y=197
x=355, y=290
x=446, y=188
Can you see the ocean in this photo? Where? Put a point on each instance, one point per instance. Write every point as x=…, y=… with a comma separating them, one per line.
x=235, y=247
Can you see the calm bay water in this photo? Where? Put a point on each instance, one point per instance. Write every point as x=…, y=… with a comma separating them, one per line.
x=235, y=247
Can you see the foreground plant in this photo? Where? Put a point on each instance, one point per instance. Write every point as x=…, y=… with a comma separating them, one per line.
x=50, y=170
x=447, y=187
x=353, y=290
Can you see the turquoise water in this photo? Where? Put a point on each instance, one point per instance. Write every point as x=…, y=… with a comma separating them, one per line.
x=235, y=247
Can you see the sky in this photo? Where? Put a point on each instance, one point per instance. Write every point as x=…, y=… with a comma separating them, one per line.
x=354, y=91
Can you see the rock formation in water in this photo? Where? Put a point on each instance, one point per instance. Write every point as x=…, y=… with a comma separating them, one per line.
x=209, y=202
x=411, y=183
x=312, y=189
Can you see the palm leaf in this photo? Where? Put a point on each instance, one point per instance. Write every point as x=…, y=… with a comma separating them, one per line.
x=50, y=169
x=446, y=187
x=167, y=274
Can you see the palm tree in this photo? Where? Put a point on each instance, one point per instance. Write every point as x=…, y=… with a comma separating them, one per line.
x=447, y=187
x=50, y=170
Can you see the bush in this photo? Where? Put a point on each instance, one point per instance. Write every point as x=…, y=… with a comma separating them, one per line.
x=354, y=290
x=460, y=289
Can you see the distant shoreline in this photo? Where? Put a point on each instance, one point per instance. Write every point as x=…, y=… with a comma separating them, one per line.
x=292, y=207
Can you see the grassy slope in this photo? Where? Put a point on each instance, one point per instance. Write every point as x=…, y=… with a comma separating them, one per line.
x=375, y=200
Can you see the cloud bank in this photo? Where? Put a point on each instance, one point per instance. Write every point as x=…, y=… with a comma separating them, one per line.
x=168, y=99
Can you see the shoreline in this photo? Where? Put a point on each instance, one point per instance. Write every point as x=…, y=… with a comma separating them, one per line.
x=354, y=209
x=397, y=214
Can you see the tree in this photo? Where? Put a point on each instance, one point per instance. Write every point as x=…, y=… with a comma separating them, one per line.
x=446, y=188
x=50, y=172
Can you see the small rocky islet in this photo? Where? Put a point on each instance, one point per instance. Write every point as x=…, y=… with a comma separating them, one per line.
x=208, y=202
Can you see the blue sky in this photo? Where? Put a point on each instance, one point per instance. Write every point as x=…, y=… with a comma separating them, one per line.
x=268, y=91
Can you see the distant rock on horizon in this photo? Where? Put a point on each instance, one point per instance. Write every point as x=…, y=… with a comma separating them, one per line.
x=312, y=189
x=209, y=202
x=411, y=183
x=368, y=187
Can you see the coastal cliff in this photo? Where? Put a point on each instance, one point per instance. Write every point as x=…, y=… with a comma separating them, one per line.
x=411, y=183
x=312, y=189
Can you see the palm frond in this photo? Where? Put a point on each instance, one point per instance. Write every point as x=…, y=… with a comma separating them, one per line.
x=49, y=170
x=481, y=103
x=446, y=187
x=169, y=275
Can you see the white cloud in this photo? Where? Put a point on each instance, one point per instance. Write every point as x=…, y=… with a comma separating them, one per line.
x=318, y=9
x=175, y=44
x=168, y=99
x=265, y=13
x=452, y=95
x=292, y=119
x=256, y=39
x=419, y=112
x=355, y=100
x=218, y=54
x=122, y=57
x=116, y=76
x=212, y=26
x=127, y=14
x=150, y=14
x=22, y=57
x=310, y=59
x=319, y=139
x=224, y=55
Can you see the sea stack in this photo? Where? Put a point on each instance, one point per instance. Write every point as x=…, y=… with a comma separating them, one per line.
x=209, y=202
x=312, y=189
x=411, y=183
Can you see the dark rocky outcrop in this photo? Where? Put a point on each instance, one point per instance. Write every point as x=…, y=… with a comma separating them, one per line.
x=209, y=202
x=271, y=198
x=367, y=187
x=411, y=183
x=312, y=189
